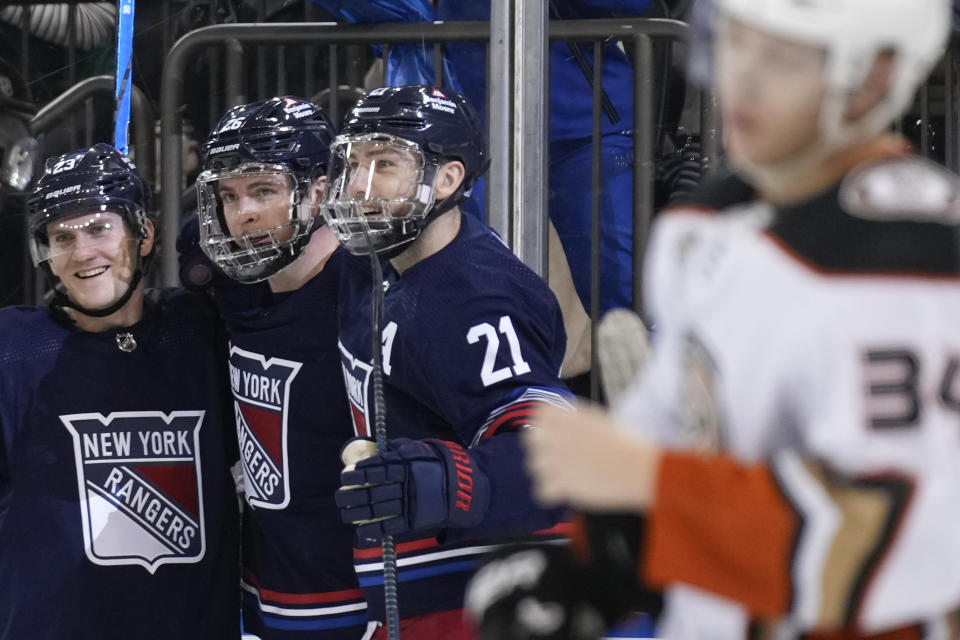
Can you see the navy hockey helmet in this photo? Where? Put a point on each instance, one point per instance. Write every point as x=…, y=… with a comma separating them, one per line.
x=87, y=181
x=384, y=165
x=261, y=164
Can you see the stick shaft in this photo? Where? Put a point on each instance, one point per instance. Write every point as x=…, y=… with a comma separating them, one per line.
x=392, y=607
x=123, y=80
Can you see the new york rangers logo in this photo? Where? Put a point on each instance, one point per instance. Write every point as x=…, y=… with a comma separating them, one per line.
x=140, y=485
x=261, y=392
x=356, y=377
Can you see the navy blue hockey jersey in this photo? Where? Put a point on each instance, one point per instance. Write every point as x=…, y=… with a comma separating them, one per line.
x=292, y=420
x=118, y=513
x=472, y=342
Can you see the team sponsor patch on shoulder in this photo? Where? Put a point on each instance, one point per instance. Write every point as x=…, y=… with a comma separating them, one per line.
x=905, y=189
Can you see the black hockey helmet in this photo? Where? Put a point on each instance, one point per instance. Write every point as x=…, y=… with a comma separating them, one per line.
x=281, y=136
x=285, y=130
x=86, y=181
x=437, y=126
x=441, y=122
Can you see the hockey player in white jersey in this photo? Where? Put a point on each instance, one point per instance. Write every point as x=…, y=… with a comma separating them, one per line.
x=794, y=441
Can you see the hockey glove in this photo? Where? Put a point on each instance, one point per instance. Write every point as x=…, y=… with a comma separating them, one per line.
x=537, y=593
x=556, y=593
x=417, y=484
x=198, y=273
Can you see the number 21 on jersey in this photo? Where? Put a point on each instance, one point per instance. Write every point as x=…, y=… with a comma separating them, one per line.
x=489, y=375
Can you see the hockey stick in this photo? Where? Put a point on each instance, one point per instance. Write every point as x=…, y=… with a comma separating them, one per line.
x=123, y=72
x=391, y=605
x=623, y=348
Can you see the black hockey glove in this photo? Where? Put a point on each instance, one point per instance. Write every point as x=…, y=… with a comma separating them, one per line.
x=527, y=593
x=197, y=272
x=558, y=593
x=417, y=484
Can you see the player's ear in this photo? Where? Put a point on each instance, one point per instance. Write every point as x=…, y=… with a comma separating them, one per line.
x=318, y=187
x=874, y=88
x=316, y=190
x=449, y=177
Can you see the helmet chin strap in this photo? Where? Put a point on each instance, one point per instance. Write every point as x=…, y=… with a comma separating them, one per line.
x=435, y=212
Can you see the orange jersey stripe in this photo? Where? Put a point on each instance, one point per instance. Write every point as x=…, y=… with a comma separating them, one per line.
x=723, y=527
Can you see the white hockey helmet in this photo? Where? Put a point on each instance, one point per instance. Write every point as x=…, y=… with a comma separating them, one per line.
x=853, y=33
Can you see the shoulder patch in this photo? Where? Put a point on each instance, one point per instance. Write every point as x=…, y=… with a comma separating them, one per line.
x=902, y=189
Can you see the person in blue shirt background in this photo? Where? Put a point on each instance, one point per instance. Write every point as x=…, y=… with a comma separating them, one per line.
x=571, y=118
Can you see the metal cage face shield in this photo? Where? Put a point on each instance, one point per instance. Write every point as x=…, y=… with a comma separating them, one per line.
x=255, y=219
x=380, y=186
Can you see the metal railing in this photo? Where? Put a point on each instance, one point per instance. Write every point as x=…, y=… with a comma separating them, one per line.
x=65, y=105
x=516, y=192
x=526, y=235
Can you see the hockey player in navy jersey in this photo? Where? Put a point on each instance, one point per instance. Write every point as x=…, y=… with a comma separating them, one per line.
x=264, y=169
x=472, y=343
x=118, y=515
x=794, y=438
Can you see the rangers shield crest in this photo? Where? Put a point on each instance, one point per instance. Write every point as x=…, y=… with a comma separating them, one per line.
x=356, y=377
x=141, y=486
x=261, y=392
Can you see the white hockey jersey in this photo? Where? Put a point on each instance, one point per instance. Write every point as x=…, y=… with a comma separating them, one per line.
x=816, y=350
